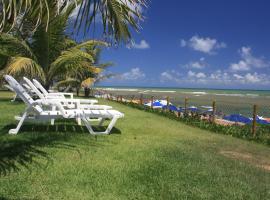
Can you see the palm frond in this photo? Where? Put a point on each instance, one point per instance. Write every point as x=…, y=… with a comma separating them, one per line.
x=22, y=66
x=105, y=65
x=88, y=82
x=90, y=44
x=118, y=16
x=70, y=61
x=39, y=10
x=12, y=46
x=67, y=82
x=49, y=44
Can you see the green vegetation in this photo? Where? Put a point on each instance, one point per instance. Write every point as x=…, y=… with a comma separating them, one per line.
x=244, y=132
x=117, y=16
x=147, y=156
x=49, y=54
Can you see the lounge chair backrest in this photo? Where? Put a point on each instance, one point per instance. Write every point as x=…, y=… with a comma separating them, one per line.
x=40, y=87
x=21, y=92
x=33, y=87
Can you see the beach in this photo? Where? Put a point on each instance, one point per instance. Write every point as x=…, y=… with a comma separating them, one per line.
x=227, y=101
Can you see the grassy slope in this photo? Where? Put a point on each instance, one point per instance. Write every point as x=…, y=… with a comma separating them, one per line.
x=152, y=158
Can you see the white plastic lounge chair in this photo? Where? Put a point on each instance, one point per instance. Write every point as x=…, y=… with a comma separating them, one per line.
x=69, y=103
x=15, y=95
x=36, y=110
x=51, y=94
x=83, y=104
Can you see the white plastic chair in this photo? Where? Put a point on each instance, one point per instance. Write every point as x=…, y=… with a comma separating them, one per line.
x=37, y=110
x=83, y=104
x=51, y=94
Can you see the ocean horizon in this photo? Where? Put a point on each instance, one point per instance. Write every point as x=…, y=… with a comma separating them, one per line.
x=198, y=91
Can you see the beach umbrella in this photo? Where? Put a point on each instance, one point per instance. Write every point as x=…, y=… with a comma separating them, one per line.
x=207, y=107
x=171, y=107
x=156, y=104
x=193, y=109
x=238, y=118
x=261, y=120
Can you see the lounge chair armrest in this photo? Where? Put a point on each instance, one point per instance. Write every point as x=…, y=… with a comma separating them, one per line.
x=88, y=101
x=55, y=95
x=80, y=101
x=48, y=102
x=61, y=94
x=8, y=87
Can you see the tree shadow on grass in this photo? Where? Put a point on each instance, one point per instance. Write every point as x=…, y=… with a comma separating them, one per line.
x=24, y=149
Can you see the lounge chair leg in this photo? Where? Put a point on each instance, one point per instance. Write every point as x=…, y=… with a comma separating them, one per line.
x=111, y=125
x=79, y=121
x=14, y=98
x=52, y=120
x=101, y=122
x=16, y=130
x=88, y=126
x=106, y=132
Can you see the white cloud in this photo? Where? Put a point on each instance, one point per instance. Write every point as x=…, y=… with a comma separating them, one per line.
x=75, y=13
x=248, y=61
x=198, y=75
x=133, y=6
x=197, y=64
x=216, y=78
x=133, y=74
x=142, y=45
x=240, y=66
x=253, y=78
x=167, y=76
x=205, y=45
x=238, y=77
x=171, y=75
x=183, y=43
x=243, y=79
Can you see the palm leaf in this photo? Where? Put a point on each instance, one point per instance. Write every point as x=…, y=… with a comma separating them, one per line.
x=88, y=82
x=12, y=46
x=22, y=66
x=49, y=44
x=90, y=44
x=70, y=61
x=67, y=82
x=118, y=16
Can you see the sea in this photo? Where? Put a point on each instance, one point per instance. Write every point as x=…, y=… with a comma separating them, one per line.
x=227, y=101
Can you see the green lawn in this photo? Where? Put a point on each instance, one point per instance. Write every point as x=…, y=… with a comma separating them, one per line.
x=146, y=157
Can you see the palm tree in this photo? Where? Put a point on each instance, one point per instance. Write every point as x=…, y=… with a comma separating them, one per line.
x=82, y=75
x=117, y=16
x=47, y=54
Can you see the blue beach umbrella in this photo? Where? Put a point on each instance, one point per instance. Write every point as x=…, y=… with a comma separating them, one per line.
x=260, y=120
x=171, y=107
x=157, y=103
x=238, y=118
x=193, y=109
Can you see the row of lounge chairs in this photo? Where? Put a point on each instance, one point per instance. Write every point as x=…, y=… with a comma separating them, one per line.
x=51, y=106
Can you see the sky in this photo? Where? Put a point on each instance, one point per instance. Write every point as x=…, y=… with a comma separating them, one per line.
x=223, y=44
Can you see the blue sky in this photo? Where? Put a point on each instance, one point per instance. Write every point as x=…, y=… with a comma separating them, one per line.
x=197, y=43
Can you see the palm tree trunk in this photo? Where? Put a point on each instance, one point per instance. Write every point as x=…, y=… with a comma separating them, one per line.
x=78, y=91
x=86, y=91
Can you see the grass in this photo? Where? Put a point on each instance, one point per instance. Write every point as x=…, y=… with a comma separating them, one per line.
x=146, y=157
x=262, y=133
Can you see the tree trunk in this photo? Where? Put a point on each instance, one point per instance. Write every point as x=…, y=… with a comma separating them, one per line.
x=86, y=91
x=47, y=86
x=78, y=91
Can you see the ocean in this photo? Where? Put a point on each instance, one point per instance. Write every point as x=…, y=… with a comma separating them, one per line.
x=228, y=101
